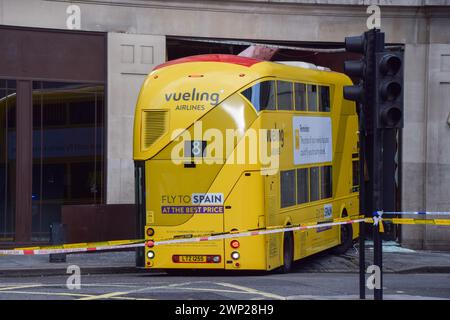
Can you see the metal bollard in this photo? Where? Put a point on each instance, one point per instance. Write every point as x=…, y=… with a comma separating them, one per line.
x=57, y=237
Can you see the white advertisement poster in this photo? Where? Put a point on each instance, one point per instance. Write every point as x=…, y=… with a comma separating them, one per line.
x=312, y=140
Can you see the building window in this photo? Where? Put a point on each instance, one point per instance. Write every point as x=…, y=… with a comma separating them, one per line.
x=312, y=97
x=324, y=99
x=7, y=159
x=314, y=183
x=300, y=97
x=326, y=182
x=287, y=183
x=284, y=95
x=302, y=186
x=261, y=95
x=68, y=150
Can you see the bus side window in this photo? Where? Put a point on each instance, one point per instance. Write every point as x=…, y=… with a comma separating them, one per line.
x=326, y=182
x=284, y=95
x=314, y=183
x=324, y=99
x=300, y=97
x=302, y=186
x=355, y=175
x=287, y=185
x=261, y=95
x=312, y=97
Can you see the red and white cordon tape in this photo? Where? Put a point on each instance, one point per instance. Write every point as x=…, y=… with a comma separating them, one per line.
x=53, y=250
x=254, y=233
x=127, y=244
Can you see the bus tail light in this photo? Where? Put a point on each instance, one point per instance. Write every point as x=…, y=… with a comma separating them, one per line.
x=150, y=232
x=150, y=254
x=234, y=244
x=235, y=255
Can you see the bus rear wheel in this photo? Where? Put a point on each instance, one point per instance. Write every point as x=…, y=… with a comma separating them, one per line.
x=288, y=253
x=346, y=239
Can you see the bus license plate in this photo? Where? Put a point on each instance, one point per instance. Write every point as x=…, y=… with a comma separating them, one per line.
x=193, y=259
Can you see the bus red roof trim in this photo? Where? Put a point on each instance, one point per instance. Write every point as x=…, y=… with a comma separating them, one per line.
x=226, y=58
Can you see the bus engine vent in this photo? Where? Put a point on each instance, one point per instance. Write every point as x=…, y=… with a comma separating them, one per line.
x=154, y=126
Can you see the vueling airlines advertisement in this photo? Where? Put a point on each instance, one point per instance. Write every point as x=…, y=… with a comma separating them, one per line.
x=193, y=100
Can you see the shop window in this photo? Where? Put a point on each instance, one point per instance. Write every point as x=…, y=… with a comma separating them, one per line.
x=7, y=159
x=68, y=150
x=287, y=183
x=284, y=95
x=261, y=95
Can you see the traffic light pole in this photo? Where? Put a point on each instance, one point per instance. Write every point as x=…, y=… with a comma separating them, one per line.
x=378, y=206
x=362, y=203
x=380, y=97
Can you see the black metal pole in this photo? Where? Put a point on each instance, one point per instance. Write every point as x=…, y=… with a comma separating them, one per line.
x=378, y=206
x=362, y=261
x=362, y=204
x=378, y=261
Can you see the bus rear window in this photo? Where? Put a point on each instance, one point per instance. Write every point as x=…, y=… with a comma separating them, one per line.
x=261, y=95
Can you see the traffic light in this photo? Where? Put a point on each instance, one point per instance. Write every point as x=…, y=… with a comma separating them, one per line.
x=389, y=89
x=380, y=74
x=355, y=68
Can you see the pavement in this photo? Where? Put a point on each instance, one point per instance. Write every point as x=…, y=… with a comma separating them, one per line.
x=395, y=260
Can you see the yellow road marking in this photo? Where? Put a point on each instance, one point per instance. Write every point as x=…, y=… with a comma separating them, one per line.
x=21, y=287
x=116, y=294
x=251, y=290
x=213, y=290
x=69, y=294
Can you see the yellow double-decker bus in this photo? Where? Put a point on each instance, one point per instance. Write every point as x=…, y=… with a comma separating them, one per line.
x=224, y=143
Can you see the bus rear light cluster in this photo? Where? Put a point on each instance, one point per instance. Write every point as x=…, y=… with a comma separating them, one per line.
x=235, y=255
x=234, y=244
x=150, y=232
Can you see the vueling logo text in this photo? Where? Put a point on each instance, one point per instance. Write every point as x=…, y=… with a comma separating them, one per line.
x=212, y=98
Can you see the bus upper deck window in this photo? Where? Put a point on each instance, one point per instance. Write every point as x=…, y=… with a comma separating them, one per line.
x=312, y=97
x=284, y=95
x=324, y=99
x=300, y=97
x=261, y=95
